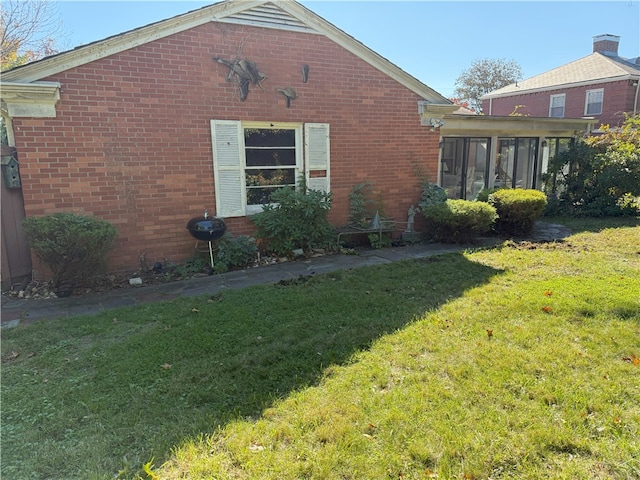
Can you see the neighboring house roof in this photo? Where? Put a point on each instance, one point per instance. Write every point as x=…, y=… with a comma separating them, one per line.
x=282, y=14
x=594, y=68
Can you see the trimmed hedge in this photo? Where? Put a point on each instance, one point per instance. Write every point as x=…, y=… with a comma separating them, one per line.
x=458, y=221
x=74, y=247
x=518, y=209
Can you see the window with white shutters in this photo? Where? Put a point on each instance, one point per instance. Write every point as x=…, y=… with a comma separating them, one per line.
x=251, y=160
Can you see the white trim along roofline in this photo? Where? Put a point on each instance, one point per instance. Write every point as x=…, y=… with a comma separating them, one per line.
x=228, y=11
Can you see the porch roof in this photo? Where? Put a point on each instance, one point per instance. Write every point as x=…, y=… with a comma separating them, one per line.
x=456, y=125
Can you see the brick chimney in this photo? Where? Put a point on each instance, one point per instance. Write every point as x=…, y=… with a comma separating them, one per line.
x=606, y=44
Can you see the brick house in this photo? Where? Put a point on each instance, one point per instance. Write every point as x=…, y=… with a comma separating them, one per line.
x=147, y=129
x=215, y=108
x=601, y=85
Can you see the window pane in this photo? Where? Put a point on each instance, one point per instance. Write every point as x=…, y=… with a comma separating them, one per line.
x=270, y=177
x=270, y=158
x=594, y=102
x=476, y=166
x=526, y=162
x=265, y=137
x=260, y=196
x=594, y=109
x=504, y=163
x=557, y=112
x=556, y=108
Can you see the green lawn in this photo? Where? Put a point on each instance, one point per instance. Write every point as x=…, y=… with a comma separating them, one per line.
x=514, y=362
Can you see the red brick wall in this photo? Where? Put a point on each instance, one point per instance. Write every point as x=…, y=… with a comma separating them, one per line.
x=131, y=142
x=618, y=98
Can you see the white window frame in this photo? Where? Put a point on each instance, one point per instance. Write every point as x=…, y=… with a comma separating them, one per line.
x=589, y=101
x=297, y=127
x=554, y=102
x=312, y=155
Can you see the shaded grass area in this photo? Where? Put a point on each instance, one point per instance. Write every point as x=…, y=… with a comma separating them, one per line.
x=532, y=375
x=94, y=397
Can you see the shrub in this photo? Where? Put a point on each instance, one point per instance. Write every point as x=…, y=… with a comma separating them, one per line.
x=458, y=221
x=517, y=209
x=361, y=204
x=599, y=176
x=296, y=219
x=431, y=195
x=234, y=252
x=74, y=247
x=483, y=195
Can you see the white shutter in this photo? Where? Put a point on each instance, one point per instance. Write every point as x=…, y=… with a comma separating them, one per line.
x=317, y=155
x=228, y=147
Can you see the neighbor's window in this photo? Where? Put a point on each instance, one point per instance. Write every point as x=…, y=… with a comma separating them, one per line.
x=593, y=102
x=270, y=156
x=556, y=106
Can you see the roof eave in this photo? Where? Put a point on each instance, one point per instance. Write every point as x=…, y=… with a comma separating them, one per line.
x=37, y=100
x=124, y=41
x=214, y=13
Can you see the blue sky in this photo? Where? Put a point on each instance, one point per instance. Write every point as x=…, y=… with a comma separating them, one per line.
x=432, y=40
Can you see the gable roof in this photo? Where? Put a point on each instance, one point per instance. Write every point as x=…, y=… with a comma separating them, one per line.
x=594, y=68
x=276, y=14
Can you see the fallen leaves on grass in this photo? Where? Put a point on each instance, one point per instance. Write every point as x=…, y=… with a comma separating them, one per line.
x=547, y=309
x=11, y=356
x=632, y=360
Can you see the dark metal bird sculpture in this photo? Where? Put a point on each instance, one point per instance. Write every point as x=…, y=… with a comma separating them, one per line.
x=246, y=73
x=289, y=94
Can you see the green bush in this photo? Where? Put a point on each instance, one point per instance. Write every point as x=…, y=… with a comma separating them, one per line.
x=431, y=195
x=234, y=252
x=297, y=218
x=74, y=247
x=599, y=176
x=483, y=195
x=518, y=209
x=458, y=221
x=362, y=206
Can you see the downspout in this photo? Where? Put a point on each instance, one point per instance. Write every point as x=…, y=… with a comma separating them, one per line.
x=635, y=101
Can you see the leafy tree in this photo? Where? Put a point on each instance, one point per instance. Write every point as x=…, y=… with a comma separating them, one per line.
x=28, y=31
x=484, y=76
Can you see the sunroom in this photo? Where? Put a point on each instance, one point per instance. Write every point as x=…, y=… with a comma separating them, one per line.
x=478, y=151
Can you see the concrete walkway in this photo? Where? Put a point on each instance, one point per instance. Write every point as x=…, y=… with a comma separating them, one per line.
x=19, y=311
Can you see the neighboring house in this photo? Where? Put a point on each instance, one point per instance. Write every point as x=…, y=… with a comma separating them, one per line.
x=602, y=85
x=216, y=108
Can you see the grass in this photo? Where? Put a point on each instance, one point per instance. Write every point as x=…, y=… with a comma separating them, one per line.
x=515, y=362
